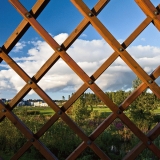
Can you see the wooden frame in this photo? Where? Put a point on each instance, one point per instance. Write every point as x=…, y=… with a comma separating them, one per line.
x=60, y=51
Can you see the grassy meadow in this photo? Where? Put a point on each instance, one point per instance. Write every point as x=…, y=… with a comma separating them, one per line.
x=11, y=140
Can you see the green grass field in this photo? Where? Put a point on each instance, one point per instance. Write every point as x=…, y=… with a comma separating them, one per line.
x=49, y=111
x=58, y=130
x=46, y=111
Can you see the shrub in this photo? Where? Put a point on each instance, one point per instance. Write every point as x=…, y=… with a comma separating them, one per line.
x=33, y=112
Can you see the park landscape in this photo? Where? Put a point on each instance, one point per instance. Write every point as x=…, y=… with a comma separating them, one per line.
x=88, y=112
x=30, y=56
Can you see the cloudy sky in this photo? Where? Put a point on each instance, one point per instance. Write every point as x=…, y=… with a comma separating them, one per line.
x=60, y=18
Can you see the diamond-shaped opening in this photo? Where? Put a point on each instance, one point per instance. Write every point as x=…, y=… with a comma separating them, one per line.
x=10, y=82
x=10, y=143
x=147, y=154
x=145, y=51
x=60, y=139
x=31, y=53
x=91, y=35
x=91, y=53
x=146, y=43
x=33, y=110
x=31, y=115
x=116, y=140
x=116, y=81
x=142, y=111
x=60, y=81
x=31, y=39
x=55, y=21
x=88, y=111
x=120, y=14
x=157, y=141
x=80, y=112
x=88, y=154
x=32, y=153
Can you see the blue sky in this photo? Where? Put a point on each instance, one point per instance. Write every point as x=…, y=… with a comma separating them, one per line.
x=60, y=18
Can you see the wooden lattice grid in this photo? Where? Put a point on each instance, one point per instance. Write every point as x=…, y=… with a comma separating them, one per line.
x=90, y=17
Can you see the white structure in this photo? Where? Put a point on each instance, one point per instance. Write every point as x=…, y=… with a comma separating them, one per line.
x=40, y=104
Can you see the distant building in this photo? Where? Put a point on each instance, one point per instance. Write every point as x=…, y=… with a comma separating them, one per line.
x=40, y=104
x=43, y=104
x=29, y=102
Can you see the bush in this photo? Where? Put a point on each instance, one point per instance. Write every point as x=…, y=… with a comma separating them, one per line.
x=115, y=141
x=33, y=112
x=157, y=118
x=26, y=112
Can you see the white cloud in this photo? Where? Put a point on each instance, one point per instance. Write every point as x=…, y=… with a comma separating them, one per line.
x=89, y=55
x=89, y=51
x=144, y=51
x=147, y=56
x=83, y=35
x=19, y=46
x=61, y=37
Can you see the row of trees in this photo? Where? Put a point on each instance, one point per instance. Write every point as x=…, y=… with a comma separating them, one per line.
x=140, y=111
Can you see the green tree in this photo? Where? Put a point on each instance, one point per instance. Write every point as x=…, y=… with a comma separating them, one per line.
x=141, y=110
x=90, y=100
x=80, y=110
x=118, y=97
x=136, y=83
